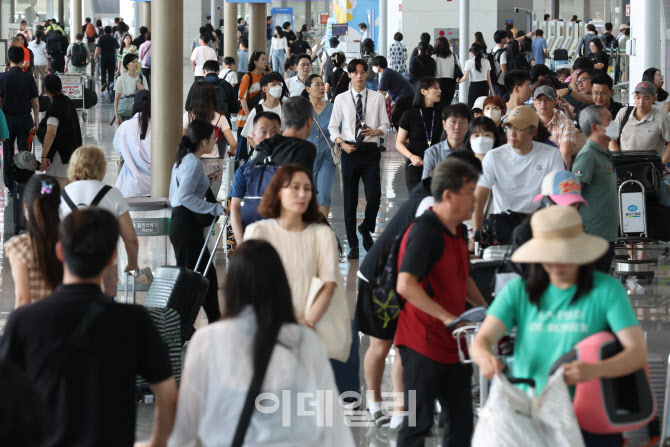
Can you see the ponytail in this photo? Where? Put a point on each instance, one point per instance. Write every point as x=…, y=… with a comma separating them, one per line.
x=144, y=110
x=197, y=131
x=477, y=50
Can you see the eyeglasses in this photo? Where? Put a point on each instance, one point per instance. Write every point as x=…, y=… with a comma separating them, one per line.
x=582, y=81
x=600, y=94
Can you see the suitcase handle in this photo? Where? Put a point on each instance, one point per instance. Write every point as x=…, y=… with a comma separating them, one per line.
x=204, y=247
x=218, y=239
x=128, y=274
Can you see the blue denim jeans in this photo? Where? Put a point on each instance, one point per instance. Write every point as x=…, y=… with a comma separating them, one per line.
x=324, y=176
x=278, y=58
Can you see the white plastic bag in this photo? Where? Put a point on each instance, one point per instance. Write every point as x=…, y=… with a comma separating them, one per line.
x=512, y=418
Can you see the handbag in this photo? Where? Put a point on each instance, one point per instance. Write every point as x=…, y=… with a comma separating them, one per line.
x=335, y=149
x=332, y=99
x=334, y=328
x=458, y=72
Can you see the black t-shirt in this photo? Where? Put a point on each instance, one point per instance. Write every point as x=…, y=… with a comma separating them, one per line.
x=290, y=36
x=68, y=136
x=17, y=90
x=338, y=76
x=600, y=58
x=614, y=110
x=284, y=150
x=92, y=398
x=418, y=127
x=108, y=46
x=299, y=47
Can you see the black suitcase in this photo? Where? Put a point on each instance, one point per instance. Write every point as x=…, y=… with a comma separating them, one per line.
x=561, y=54
x=644, y=166
x=183, y=289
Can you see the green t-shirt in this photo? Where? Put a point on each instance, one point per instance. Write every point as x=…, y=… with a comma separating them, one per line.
x=543, y=336
x=593, y=166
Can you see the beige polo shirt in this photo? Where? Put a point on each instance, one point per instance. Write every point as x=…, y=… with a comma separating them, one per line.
x=652, y=133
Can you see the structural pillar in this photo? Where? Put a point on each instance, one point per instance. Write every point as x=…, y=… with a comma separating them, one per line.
x=212, y=6
x=382, y=46
x=136, y=18
x=166, y=87
x=308, y=15
x=146, y=14
x=257, y=27
x=75, y=17
x=464, y=46
x=61, y=13
x=645, y=33
x=230, y=30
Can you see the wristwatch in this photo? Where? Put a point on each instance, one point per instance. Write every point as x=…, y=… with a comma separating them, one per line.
x=569, y=90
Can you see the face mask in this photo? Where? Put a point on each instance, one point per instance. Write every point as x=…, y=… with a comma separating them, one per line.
x=612, y=131
x=481, y=145
x=493, y=114
x=375, y=69
x=276, y=91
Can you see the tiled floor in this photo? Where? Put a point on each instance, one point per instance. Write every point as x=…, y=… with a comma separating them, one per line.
x=653, y=307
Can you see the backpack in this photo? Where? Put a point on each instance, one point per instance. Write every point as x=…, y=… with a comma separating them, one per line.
x=96, y=200
x=55, y=45
x=371, y=76
x=258, y=176
x=494, y=58
x=78, y=54
x=386, y=304
x=225, y=98
x=90, y=31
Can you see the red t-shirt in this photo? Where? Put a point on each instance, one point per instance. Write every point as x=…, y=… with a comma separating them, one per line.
x=26, y=57
x=440, y=260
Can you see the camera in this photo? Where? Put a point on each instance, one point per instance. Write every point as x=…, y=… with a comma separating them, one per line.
x=516, y=9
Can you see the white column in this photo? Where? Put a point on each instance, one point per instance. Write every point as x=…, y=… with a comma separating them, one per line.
x=645, y=32
x=382, y=46
x=464, y=46
x=212, y=7
x=75, y=18
x=230, y=30
x=136, y=18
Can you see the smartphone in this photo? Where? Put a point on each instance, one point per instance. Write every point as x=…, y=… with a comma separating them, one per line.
x=213, y=173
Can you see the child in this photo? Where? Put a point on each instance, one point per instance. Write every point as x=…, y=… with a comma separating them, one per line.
x=228, y=73
x=562, y=74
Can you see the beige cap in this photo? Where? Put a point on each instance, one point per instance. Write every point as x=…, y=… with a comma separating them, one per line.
x=559, y=238
x=522, y=117
x=623, y=26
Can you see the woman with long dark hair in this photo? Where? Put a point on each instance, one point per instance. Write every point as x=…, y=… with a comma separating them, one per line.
x=29, y=61
x=479, y=69
x=422, y=126
x=222, y=359
x=40, y=58
x=655, y=76
x=561, y=301
x=194, y=206
x=132, y=141
x=32, y=255
x=203, y=107
x=249, y=88
x=516, y=59
x=278, y=49
x=446, y=62
x=59, y=131
x=422, y=65
x=337, y=82
x=127, y=47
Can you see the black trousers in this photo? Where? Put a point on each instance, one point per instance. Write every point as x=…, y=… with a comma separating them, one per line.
x=186, y=236
x=57, y=64
x=146, y=72
x=450, y=385
x=107, y=69
x=448, y=87
x=412, y=175
x=402, y=106
x=604, y=264
x=19, y=129
x=362, y=164
x=477, y=89
x=499, y=90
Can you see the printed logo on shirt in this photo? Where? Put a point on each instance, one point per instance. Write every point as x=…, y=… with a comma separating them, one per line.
x=538, y=167
x=608, y=169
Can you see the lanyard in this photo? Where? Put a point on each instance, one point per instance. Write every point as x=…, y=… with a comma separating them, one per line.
x=365, y=107
x=429, y=137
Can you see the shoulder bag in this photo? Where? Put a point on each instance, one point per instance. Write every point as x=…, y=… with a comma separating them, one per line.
x=335, y=149
x=334, y=328
x=334, y=91
x=458, y=72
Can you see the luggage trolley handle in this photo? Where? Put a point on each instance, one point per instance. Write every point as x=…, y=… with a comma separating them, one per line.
x=128, y=274
x=644, y=205
x=204, y=246
x=210, y=262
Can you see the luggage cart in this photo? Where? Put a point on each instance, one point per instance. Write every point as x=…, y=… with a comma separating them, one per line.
x=73, y=88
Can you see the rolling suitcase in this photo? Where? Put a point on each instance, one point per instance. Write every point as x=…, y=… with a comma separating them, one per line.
x=183, y=289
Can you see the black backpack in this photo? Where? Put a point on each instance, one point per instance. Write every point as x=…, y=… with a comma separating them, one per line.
x=78, y=55
x=386, y=303
x=493, y=58
x=55, y=45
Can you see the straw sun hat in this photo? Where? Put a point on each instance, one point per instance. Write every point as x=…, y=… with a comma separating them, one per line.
x=559, y=238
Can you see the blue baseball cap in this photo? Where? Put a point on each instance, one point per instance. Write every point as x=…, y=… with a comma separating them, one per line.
x=562, y=187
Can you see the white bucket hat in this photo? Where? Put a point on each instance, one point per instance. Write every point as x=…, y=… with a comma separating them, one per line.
x=559, y=238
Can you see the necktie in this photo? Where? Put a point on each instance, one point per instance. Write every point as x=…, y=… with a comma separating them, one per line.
x=359, y=114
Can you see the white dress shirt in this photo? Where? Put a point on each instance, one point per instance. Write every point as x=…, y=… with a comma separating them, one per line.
x=343, y=121
x=295, y=86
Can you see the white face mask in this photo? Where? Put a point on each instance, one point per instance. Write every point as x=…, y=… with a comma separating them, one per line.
x=481, y=145
x=493, y=114
x=276, y=91
x=612, y=131
x=375, y=69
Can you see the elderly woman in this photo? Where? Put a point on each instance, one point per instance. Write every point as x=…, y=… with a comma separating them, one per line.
x=86, y=172
x=59, y=131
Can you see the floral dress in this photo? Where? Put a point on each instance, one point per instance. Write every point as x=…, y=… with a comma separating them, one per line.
x=398, y=57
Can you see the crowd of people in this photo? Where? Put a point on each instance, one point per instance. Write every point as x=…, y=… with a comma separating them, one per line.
x=524, y=144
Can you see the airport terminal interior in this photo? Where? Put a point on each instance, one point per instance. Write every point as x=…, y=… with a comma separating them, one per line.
x=640, y=264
